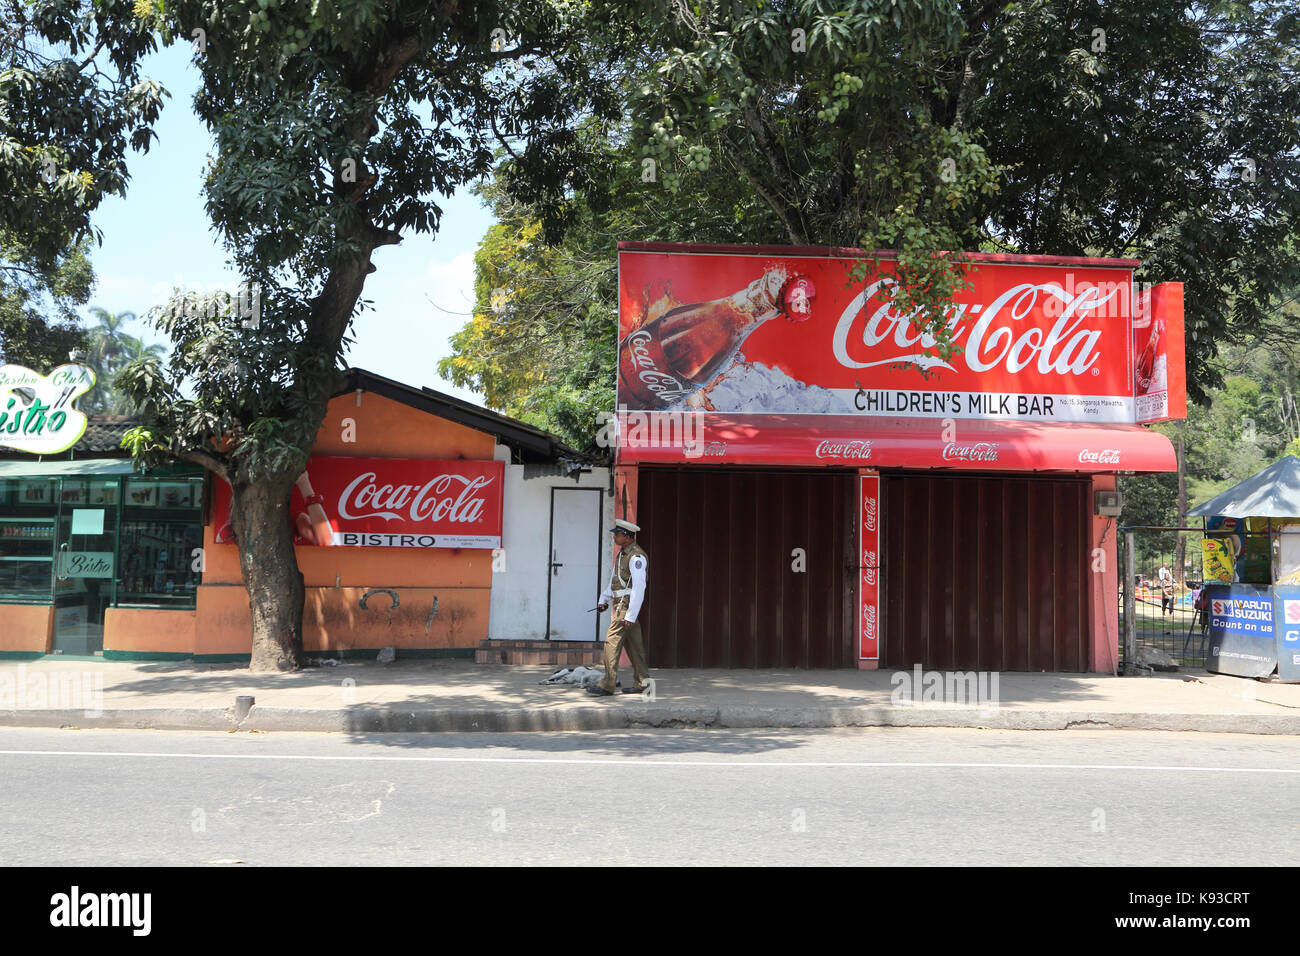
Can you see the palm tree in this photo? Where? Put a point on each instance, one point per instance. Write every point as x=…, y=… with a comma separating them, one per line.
x=106, y=338
x=106, y=350
x=133, y=350
x=111, y=348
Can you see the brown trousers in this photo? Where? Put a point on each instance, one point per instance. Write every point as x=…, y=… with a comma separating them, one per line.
x=615, y=638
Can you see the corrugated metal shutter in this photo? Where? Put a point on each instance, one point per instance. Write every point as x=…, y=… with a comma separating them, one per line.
x=986, y=573
x=724, y=589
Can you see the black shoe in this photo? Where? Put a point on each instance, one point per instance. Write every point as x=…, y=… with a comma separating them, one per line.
x=598, y=691
x=635, y=690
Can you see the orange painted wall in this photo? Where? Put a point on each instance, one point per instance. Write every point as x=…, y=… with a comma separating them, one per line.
x=26, y=627
x=333, y=619
x=337, y=577
x=149, y=629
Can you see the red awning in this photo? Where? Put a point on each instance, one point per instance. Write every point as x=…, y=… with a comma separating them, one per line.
x=867, y=442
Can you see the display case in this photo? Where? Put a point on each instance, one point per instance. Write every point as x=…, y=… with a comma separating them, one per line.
x=26, y=556
x=162, y=529
x=131, y=540
x=28, y=507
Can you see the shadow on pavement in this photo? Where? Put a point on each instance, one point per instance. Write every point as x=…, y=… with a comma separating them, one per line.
x=603, y=743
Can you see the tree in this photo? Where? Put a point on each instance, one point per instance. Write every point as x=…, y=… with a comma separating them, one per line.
x=831, y=114
x=109, y=346
x=733, y=134
x=549, y=379
x=1152, y=129
x=72, y=104
x=1071, y=128
x=337, y=126
x=39, y=326
x=1150, y=501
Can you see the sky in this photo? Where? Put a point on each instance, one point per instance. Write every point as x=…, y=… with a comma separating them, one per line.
x=160, y=236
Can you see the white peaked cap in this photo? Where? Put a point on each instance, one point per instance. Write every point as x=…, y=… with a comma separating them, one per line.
x=625, y=525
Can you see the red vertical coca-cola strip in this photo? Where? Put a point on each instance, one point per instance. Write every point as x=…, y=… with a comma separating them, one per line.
x=869, y=585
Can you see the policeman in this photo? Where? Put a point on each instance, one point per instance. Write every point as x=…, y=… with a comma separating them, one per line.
x=627, y=586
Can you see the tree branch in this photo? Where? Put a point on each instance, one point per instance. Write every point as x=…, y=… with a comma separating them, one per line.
x=209, y=461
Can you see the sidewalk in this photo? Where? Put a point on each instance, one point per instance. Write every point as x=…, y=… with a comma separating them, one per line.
x=462, y=696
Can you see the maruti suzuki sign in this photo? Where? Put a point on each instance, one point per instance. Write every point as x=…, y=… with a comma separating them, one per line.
x=765, y=337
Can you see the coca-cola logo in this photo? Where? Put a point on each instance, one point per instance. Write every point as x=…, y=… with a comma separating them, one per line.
x=869, y=567
x=1106, y=456
x=869, y=621
x=445, y=497
x=990, y=340
x=844, y=449
x=661, y=383
x=973, y=451
x=700, y=449
x=869, y=513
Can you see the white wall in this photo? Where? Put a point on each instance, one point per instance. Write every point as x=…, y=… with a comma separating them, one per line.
x=518, y=607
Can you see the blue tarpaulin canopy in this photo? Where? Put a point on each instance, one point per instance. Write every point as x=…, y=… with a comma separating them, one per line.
x=1271, y=493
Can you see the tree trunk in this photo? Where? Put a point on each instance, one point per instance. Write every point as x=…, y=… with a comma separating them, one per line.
x=259, y=515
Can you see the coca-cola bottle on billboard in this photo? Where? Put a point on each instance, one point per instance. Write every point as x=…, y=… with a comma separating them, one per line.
x=314, y=526
x=1146, y=364
x=682, y=350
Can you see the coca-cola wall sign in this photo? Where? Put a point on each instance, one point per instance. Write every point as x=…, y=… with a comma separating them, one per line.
x=392, y=503
x=869, y=567
x=781, y=334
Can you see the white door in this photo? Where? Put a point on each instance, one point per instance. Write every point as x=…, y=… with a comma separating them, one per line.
x=575, y=583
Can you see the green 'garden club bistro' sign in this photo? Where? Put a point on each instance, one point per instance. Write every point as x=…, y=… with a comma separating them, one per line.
x=36, y=411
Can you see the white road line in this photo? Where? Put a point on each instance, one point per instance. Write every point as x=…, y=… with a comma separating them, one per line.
x=641, y=762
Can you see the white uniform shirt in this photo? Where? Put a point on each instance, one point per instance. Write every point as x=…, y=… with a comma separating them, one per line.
x=636, y=567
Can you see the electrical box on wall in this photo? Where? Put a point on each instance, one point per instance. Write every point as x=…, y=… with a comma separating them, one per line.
x=1107, y=503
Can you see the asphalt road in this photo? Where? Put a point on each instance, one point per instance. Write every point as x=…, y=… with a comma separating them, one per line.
x=676, y=797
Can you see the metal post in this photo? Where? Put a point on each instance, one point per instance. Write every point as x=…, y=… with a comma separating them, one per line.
x=1130, y=619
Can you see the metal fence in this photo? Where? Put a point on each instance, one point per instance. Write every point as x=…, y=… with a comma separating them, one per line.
x=1171, y=624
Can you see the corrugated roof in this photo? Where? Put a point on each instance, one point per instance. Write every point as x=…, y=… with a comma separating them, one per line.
x=103, y=436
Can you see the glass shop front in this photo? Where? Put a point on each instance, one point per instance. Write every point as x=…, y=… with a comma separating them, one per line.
x=84, y=536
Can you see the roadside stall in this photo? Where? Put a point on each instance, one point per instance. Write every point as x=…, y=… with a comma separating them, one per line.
x=820, y=489
x=1251, y=556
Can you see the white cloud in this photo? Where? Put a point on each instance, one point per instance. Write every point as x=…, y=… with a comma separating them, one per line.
x=411, y=324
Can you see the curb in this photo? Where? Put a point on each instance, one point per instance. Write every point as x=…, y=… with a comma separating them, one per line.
x=637, y=716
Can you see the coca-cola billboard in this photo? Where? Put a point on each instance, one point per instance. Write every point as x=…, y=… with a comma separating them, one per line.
x=768, y=333
x=391, y=503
